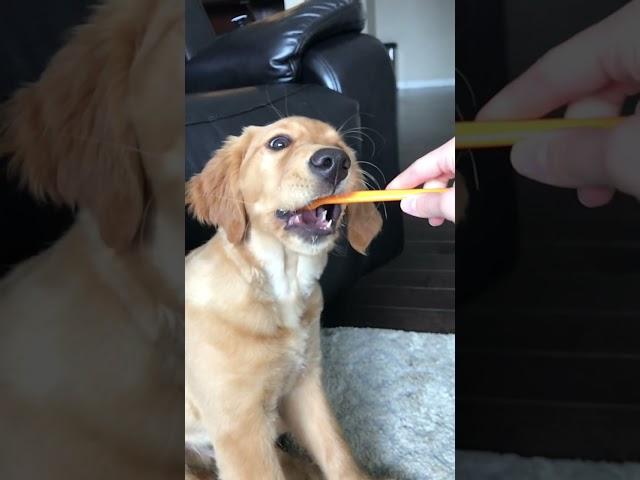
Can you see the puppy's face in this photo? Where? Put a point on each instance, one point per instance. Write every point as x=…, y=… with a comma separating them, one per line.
x=287, y=166
x=264, y=179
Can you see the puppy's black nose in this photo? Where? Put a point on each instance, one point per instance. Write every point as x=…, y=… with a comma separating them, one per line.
x=332, y=164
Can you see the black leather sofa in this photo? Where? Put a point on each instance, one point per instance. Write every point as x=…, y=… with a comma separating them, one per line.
x=311, y=60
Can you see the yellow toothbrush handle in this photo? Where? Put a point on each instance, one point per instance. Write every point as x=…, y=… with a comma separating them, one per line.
x=506, y=133
x=368, y=196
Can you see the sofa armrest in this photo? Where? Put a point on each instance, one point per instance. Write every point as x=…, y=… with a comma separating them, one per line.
x=270, y=50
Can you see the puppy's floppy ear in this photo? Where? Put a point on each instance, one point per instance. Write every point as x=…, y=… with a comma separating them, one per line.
x=70, y=135
x=214, y=197
x=364, y=222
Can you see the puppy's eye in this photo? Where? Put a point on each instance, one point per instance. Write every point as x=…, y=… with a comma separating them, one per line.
x=279, y=143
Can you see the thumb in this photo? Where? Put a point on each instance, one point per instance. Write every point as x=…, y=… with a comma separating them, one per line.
x=584, y=158
x=431, y=205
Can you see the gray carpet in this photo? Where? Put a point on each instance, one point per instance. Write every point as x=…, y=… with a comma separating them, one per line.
x=493, y=466
x=393, y=393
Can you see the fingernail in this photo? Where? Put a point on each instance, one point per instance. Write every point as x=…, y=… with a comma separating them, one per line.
x=408, y=205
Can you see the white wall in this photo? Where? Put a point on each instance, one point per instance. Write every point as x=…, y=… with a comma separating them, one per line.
x=292, y=3
x=425, y=33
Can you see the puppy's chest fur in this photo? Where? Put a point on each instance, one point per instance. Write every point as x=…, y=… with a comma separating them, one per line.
x=291, y=281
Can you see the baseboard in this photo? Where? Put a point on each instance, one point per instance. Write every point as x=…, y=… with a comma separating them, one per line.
x=431, y=83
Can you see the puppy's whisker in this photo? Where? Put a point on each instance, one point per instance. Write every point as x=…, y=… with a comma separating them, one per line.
x=467, y=83
x=346, y=121
x=474, y=166
x=369, y=185
x=384, y=178
x=373, y=180
x=353, y=135
x=373, y=144
x=384, y=209
x=372, y=130
x=271, y=104
x=286, y=105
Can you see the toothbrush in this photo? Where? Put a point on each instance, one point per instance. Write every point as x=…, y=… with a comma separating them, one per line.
x=494, y=134
x=368, y=196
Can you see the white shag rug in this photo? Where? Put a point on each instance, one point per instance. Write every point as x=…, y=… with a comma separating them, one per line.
x=493, y=466
x=394, y=395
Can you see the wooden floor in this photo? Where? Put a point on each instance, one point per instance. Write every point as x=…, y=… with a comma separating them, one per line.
x=416, y=291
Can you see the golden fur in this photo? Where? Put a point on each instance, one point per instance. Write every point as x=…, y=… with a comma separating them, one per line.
x=92, y=327
x=253, y=304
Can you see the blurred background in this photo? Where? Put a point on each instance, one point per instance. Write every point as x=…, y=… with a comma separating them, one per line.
x=547, y=341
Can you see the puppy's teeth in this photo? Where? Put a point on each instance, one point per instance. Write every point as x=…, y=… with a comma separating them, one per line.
x=329, y=223
x=295, y=220
x=323, y=215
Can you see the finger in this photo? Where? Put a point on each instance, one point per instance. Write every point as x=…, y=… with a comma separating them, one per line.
x=586, y=63
x=440, y=182
x=622, y=157
x=437, y=163
x=607, y=102
x=436, y=221
x=595, y=196
x=441, y=205
x=569, y=159
x=585, y=158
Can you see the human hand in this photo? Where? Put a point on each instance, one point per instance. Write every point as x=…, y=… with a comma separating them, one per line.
x=592, y=73
x=434, y=170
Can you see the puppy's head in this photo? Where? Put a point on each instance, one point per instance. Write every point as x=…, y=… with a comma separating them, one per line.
x=264, y=178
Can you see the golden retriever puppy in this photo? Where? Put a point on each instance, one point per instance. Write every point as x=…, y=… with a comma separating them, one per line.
x=253, y=301
x=91, y=340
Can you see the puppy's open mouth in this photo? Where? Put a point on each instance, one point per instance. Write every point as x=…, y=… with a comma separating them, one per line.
x=321, y=221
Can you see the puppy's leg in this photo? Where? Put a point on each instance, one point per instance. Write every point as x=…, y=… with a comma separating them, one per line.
x=298, y=468
x=244, y=444
x=308, y=414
